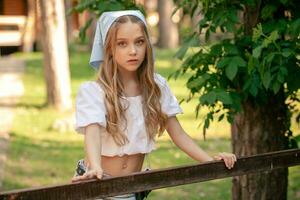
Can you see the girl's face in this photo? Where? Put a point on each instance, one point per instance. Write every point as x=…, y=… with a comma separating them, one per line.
x=130, y=46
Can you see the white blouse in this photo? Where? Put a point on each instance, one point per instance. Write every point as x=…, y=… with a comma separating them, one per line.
x=90, y=109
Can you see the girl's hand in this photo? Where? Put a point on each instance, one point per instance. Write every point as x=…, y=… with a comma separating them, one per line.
x=93, y=173
x=228, y=158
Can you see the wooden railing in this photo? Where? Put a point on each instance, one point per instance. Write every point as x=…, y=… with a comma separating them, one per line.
x=156, y=179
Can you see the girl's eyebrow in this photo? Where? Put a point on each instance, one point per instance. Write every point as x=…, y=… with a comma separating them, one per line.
x=140, y=37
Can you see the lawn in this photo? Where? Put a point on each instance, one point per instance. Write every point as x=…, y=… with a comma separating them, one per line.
x=39, y=155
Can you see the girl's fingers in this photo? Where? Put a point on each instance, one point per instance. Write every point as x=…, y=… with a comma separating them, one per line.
x=217, y=157
x=229, y=159
x=77, y=178
x=235, y=158
x=99, y=174
x=88, y=175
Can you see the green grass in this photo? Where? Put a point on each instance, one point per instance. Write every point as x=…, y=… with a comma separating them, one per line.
x=39, y=155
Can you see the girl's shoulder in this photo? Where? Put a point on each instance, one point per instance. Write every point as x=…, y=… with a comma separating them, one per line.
x=91, y=87
x=160, y=80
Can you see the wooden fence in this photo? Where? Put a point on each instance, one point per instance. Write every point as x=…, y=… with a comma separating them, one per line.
x=156, y=179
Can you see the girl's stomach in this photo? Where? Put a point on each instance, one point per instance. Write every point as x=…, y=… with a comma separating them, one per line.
x=124, y=165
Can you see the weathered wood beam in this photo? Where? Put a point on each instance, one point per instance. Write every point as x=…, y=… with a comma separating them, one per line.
x=161, y=178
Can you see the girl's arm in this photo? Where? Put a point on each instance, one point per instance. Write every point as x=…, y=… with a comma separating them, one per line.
x=93, y=146
x=92, y=141
x=186, y=144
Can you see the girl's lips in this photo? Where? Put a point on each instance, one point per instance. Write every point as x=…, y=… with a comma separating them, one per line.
x=132, y=61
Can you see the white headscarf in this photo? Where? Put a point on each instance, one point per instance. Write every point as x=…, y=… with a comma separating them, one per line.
x=103, y=25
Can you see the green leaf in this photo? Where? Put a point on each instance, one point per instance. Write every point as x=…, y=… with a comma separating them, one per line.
x=251, y=64
x=283, y=70
x=223, y=62
x=257, y=32
x=276, y=87
x=297, y=138
x=293, y=80
x=207, y=35
x=216, y=50
x=256, y=52
x=229, y=26
x=286, y=52
x=284, y=1
x=83, y=5
x=231, y=49
x=236, y=101
x=247, y=84
x=198, y=82
x=82, y=31
x=295, y=28
x=224, y=97
x=181, y=52
x=267, y=11
x=206, y=123
x=191, y=41
x=270, y=57
x=267, y=79
x=221, y=117
x=239, y=61
x=280, y=78
x=281, y=74
x=230, y=118
x=208, y=98
x=232, y=16
x=231, y=70
x=253, y=89
x=274, y=36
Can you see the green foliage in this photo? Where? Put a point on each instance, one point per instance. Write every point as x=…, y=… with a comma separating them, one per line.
x=259, y=59
x=99, y=6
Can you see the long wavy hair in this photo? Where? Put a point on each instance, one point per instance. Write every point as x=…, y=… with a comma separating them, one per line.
x=109, y=80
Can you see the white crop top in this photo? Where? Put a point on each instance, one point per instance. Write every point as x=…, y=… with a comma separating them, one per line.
x=90, y=109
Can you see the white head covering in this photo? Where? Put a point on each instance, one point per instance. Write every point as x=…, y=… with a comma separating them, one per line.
x=103, y=25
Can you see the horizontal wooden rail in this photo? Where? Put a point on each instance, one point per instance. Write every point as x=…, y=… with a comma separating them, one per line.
x=155, y=179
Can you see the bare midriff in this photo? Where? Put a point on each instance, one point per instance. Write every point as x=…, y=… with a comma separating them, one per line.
x=122, y=165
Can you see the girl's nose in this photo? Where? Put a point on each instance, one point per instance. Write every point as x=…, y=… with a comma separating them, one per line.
x=133, y=50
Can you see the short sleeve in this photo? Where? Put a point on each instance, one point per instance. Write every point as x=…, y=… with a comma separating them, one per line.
x=89, y=107
x=169, y=103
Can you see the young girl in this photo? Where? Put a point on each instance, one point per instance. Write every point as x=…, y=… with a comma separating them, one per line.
x=121, y=112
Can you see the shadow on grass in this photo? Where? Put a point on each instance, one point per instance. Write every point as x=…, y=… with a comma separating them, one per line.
x=37, y=162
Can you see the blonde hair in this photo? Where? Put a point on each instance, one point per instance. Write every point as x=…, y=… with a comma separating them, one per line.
x=108, y=78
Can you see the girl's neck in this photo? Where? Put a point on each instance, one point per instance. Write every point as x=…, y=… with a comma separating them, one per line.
x=126, y=76
x=130, y=83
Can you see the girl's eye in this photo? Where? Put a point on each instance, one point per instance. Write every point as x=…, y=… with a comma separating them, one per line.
x=121, y=44
x=140, y=42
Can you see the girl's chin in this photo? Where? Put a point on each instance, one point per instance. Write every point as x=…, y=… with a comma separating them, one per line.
x=130, y=68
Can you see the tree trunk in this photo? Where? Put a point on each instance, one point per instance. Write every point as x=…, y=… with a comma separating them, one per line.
x=56, y=58
x=258, y=130
x=29, y=32
x=69, y=20
x=168, y=30
x=251, y=17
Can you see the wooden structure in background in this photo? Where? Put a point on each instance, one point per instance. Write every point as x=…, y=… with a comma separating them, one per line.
x=20, y=21
x=12, y=30
x=17, y=23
